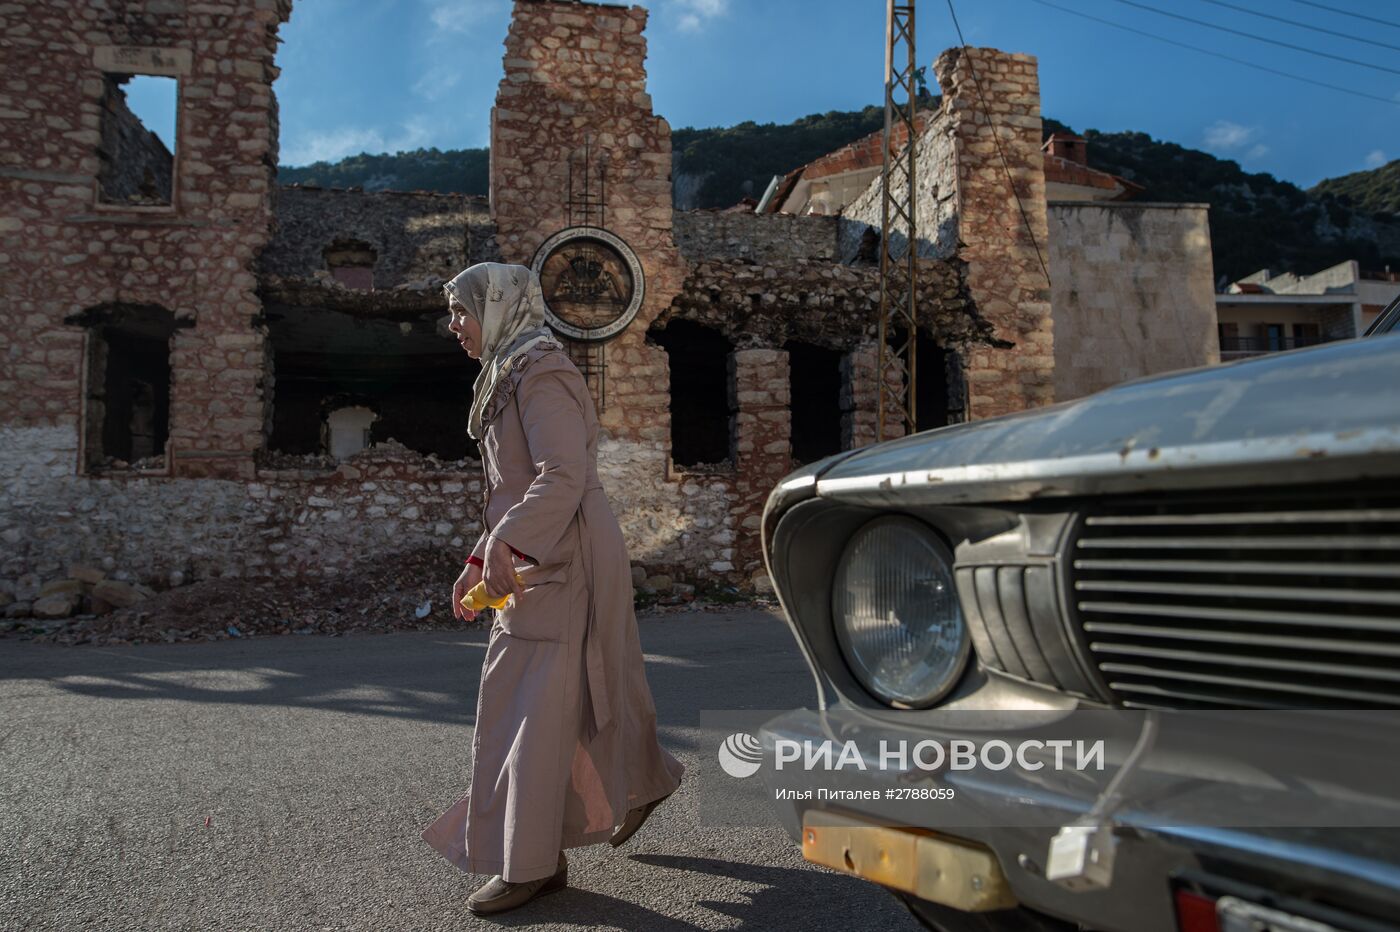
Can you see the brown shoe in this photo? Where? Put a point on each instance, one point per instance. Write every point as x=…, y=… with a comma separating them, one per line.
x=498, y=895
x=634, y=820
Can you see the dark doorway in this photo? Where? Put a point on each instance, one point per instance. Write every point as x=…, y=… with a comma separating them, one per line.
x=931, y=384
x=700, y=412
x=815, y=378
x=933, y=369
x=126, y=417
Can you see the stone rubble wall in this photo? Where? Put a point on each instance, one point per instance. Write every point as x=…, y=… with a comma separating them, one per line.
x=62, y=253
x=285, y=523
x=703, y=235
x=935, y=199
x=575, y=75
x=1133, y=294
x=1005, y=274
x=762, y=448
x=418, y=237
x=829, y=305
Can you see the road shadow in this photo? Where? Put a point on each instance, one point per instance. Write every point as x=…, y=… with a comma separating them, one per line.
x=424, y=676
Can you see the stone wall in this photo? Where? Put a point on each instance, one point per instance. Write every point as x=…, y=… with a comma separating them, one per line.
x=704, y=234
x=1003, y=233
x=162, y=532
x=935, y=198
x=1133, y=292
x=762, y=451
x=575, y=77
x=220, y=504
x=420, y=239
x=61, y=252
x=825, y=304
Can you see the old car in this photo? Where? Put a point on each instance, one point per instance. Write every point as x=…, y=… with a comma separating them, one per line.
x=1203, y=542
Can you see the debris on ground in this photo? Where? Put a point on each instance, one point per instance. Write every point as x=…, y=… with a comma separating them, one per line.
x=409, y=591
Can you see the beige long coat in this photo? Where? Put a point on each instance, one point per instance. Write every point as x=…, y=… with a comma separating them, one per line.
x=565, y=740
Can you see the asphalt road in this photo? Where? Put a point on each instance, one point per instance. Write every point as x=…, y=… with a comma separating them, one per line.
x=316, y=761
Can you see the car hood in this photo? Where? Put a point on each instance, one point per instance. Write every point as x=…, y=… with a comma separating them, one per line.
x=1322, y=413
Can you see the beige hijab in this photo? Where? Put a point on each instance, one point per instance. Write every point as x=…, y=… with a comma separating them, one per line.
x=507, y=302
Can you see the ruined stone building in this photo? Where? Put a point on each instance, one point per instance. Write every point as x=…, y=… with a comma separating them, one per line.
x=202, y=375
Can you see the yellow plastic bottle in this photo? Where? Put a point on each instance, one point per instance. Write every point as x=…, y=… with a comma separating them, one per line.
x=476, y=598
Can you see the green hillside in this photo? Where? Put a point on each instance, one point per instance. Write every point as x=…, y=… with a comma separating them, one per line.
x=1375, y=190
x=456, y=171
x=718, y=166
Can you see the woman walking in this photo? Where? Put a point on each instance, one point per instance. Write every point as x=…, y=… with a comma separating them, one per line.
x=565, y=750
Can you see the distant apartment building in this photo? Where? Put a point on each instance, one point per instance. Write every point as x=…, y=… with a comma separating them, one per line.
x=1266, y=313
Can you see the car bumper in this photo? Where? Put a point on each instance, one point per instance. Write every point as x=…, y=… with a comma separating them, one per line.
x=1355, y=869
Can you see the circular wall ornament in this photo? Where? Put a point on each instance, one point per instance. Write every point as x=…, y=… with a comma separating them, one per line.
x=592, y=282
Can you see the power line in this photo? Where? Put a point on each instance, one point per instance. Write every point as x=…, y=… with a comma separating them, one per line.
x=1250, y=35
x=1294, y=22
x=996, y=138
x=1332, y=9
x=1239, y=61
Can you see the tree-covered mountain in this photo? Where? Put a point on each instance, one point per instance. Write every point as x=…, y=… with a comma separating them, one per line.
x=1256, y=220
x=718, y=166
x=1375, y=190
x=455, y=171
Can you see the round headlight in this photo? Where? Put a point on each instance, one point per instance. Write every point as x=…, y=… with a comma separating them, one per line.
x=897, y=615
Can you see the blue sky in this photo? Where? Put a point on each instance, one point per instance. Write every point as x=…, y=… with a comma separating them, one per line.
x=385, y=75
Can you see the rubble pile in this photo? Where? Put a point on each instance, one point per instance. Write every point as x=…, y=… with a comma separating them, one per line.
x=410, y=591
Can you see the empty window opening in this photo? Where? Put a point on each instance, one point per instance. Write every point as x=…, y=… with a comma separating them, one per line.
x=701, y=422
x=351, y=262
x=815, y=379
x=342, y=382
x=138, y=145
x=127, y=409
x=348, y=430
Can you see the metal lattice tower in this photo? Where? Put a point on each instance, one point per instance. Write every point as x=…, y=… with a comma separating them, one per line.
x=898, y=274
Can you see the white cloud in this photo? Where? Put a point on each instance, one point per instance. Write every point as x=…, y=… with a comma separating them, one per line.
x=435, y=83
x=1375, y=158
x=694, y=14
x=1257, y=152
x=1222, y=134
x=458, y=16
x=338, y=143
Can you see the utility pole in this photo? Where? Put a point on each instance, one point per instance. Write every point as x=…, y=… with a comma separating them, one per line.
x=898, y=274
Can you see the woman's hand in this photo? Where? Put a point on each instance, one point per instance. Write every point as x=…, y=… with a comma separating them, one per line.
x=500, y=571
x=471, y=575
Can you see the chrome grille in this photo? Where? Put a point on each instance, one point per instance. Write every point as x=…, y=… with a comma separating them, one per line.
x=1283, y=599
